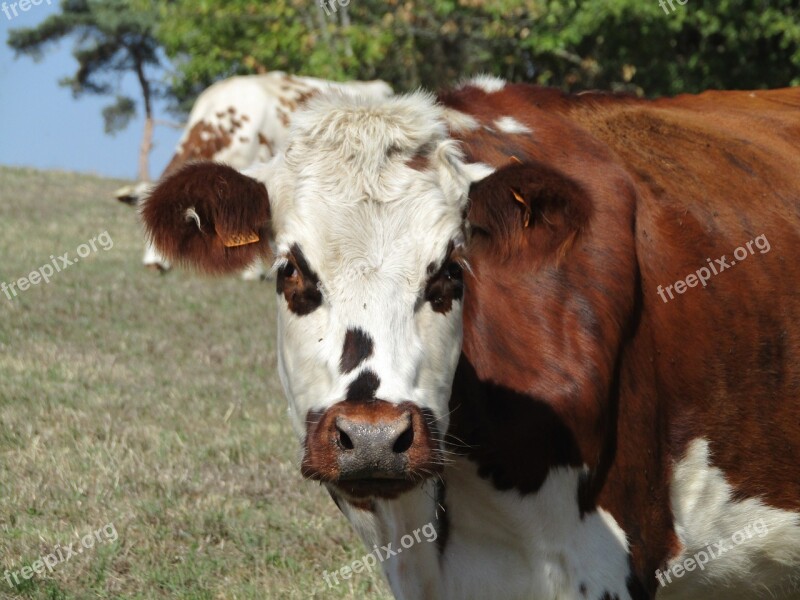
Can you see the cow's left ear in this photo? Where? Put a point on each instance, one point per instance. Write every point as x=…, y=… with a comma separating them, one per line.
x=528, y=203
x=210, y=216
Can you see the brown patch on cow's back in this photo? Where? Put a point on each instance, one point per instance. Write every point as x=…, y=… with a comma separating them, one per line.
x=304, y=96
x=203, y=142
x=287, y=102
x=283, y=117
x=264, y=141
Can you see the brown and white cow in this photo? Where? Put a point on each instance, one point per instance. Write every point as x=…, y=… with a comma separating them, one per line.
x=472, y=332
x=241, y=121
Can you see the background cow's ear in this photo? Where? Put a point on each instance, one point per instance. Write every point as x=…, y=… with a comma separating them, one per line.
x=210, y=216
x=528, y=204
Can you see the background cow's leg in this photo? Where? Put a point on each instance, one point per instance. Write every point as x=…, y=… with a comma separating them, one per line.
x=258, y=271
x=153, y=259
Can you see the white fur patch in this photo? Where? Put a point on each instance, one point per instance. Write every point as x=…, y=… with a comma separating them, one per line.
x=459, y=121
x=503, y=544
x=511, y=125
x=477, y=171
x=488, y=83
x=152, y=257
x=762, y=544
x=506, y=545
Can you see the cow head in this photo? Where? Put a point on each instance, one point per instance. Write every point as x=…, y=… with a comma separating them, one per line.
x=365, y=212
x=132, y=194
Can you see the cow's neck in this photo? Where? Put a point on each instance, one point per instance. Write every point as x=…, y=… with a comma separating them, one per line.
x=492, y=536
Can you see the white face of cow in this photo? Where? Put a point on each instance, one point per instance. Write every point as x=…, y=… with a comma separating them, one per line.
x=367, y=212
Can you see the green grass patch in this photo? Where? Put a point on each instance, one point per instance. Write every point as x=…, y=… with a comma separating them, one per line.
x=152, y=403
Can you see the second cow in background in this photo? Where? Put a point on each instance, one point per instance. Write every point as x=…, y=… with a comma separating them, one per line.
x=242, y=121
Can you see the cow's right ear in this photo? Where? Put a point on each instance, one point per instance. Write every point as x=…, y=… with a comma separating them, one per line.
x=209, y=216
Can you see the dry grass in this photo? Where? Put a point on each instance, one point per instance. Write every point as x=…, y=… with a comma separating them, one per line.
x=151, y=403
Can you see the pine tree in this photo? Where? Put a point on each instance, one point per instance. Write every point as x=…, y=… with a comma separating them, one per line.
x=113, y=37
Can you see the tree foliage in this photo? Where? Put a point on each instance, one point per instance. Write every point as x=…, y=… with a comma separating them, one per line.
x=647, y=47
x=632, y=45
x=703, y=44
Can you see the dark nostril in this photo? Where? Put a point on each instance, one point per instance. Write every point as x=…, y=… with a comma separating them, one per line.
x=404, y=441
x=344, y=440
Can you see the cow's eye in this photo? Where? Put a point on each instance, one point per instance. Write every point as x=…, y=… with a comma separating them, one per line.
x=289, y=270
x=298, y=283
x=454, y=271
x=445, y=286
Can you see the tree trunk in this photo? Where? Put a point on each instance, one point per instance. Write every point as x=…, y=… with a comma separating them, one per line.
x=345, y=21
x=147, y=135
x=323, y=23
x=144, y=149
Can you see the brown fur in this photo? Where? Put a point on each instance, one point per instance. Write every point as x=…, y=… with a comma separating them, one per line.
x=624, y=380
x=555, y=206
x=203, y=143
x=208, y=188
x=264, y=141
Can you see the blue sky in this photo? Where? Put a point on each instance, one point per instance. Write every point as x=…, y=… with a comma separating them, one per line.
x=43, y=126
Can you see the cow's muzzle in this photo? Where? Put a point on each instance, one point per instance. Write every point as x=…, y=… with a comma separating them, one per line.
x=373, y=448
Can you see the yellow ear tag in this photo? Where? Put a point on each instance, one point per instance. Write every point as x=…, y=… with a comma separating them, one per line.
x=232, y=240
x=521, y=200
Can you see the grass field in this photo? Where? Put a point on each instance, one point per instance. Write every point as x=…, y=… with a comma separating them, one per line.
x=146, y=406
